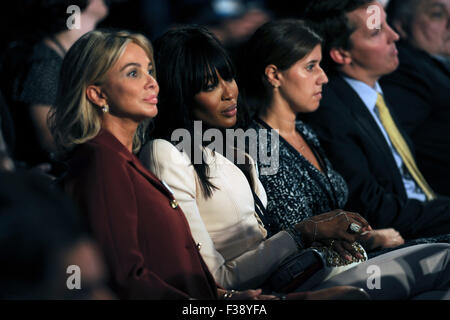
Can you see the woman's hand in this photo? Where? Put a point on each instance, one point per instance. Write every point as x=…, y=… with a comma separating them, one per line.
x=332, y=225
x=343, y=248
x=381, y=238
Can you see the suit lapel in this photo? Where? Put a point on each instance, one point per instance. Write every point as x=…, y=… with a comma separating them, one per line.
x=135, y=163
x=367, y=125
x=363, y=118
x=106, y=138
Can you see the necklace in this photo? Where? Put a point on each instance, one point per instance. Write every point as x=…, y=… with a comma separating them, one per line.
x=301, y=147
x=59, y=45
x=298, y=141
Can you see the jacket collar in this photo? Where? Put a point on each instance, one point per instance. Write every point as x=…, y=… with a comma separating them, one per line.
x=105, y=138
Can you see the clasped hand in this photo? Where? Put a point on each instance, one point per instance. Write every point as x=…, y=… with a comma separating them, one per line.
x=333, y=230
x=332, y=225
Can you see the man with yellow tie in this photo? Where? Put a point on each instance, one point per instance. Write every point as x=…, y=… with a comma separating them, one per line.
x=358, y=130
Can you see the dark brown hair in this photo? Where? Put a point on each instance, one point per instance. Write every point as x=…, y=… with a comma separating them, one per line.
x=281, y=43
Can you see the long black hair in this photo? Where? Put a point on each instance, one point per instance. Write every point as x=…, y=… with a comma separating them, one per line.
x=188, y=59
x=279, y=42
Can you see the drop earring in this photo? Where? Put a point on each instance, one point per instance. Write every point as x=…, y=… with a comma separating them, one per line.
x=105, y=108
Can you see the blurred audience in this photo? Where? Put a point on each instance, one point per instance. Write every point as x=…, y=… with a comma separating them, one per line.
x=34, y=67
x=419, y=88
x=41, y=236
x=232, y=21
x=286, y=9
x=6, y=136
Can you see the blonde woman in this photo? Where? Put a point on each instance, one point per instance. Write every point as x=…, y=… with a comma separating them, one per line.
x=107, y=92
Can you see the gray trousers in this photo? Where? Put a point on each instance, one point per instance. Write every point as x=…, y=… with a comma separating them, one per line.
x=416, y=272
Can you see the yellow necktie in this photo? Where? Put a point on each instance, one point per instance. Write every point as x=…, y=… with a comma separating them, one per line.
x=402, y=148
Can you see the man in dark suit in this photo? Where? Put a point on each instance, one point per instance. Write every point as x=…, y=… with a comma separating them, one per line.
x=360, y=134
x=419, y=88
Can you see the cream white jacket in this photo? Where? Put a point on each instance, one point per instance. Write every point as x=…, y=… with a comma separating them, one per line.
x=226, y=228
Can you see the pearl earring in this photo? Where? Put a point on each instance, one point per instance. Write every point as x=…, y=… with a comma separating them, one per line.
x=105, y=108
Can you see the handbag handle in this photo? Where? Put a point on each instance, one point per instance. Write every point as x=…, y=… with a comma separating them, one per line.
x=261, y=210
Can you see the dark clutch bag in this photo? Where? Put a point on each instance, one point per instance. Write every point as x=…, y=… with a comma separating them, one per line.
x=296, y=270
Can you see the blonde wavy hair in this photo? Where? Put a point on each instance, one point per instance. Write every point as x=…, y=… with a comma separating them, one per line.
x=73, y=118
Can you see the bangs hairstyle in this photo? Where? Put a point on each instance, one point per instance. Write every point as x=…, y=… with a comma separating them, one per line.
x=205, y=63
x=189, y=59
x=279, y=42
x=74, y=119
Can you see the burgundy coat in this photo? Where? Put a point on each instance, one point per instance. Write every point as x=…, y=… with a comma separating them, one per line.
x=144, y=235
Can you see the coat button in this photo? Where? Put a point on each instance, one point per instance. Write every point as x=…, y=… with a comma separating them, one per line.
x=174, y=204
x=199, y=246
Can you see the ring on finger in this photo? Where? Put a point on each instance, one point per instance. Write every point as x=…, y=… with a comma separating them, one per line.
x=354, y=228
